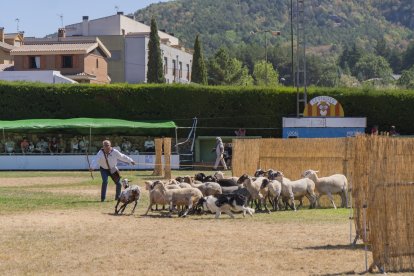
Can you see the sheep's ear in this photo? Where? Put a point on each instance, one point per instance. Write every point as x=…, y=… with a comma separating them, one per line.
x=316, y=171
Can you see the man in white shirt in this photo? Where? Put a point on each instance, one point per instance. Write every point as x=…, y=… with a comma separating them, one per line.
x=107, y=158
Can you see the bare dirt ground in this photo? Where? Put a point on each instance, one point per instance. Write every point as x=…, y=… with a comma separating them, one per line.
x=96, y=242
x=92, y=241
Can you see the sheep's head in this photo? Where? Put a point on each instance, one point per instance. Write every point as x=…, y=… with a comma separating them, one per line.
x=187, y=179
x=309, y=173
x=278, y=175
x=219, y=175
x=259, y=172
x=242, y=178
x=200, y=177
x=125, y=183
x=180, y=179
x=210, y=178
x=148, y=185
x=265, y=182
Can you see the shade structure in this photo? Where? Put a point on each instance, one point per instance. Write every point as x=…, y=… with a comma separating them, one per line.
x=87, y=125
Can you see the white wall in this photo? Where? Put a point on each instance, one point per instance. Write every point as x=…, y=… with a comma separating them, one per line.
x=112, y=25
x=136, y=59
x=73, y=162
x=35, y=76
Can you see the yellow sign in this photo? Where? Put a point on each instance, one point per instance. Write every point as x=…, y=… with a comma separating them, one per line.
x=323, y=106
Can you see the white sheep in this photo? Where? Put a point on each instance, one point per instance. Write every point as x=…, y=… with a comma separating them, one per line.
x=297, y=189
x=226, y=204
x=175, y=197
x=254, y=189
x=274, y=189
x=330, y=185
x=128, y=195
x=207, y=188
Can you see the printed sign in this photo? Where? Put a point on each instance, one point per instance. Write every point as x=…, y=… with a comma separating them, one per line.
x=323, y=106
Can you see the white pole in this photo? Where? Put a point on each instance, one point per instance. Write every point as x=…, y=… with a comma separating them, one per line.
x=351, y=213
x=90, y=139
x=176, y=140
x=365, y=235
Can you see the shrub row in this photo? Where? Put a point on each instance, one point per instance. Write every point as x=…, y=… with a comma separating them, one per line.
x=219, y=109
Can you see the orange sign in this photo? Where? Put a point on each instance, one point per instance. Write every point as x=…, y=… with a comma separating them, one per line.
x=323, y=106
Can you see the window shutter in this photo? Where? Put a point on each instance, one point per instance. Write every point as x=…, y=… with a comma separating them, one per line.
x=57, y=61
x=42, y=62
x=76, y=61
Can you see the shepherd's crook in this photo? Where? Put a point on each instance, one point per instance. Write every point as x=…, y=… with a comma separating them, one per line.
x=89, y=165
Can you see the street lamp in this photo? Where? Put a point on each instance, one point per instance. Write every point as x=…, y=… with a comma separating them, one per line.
x=273, y=33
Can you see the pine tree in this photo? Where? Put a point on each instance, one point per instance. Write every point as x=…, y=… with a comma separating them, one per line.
x=198, y=68
x=155, y=73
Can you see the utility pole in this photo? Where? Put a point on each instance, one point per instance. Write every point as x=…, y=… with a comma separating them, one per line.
x=17, y=20
x=274, y=33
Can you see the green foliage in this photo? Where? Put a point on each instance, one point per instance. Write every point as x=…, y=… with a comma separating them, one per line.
x=371, y=66
x=408, y=57
x=264, y=74
x=407, y=78
x=229, y=23
x=155, y=73
x=198, y=69
x=224, y=70
x=216, y=107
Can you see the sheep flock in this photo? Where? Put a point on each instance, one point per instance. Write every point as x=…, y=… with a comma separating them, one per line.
x=203, y=194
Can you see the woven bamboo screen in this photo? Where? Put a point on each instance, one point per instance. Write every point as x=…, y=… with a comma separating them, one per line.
x=359, y=183
x=390, y=203
x=158, y=154
x=167, y=158
x=292, y=156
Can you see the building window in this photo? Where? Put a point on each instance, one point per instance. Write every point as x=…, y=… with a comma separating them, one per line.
x=174, y=67
x=188, y=71
x=34, y=62
x=180, y=73
x=165, y=65
x=67, y=62
x=97, y=63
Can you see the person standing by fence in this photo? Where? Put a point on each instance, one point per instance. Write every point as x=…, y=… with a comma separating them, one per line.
x=107, y=158
x=220, y=154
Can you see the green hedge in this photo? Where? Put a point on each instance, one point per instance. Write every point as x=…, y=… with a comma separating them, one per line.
x=220, y=109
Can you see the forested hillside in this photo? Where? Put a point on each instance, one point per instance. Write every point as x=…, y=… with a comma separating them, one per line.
x=229, y=23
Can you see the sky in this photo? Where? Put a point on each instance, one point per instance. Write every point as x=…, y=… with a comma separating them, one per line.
x=39, y=18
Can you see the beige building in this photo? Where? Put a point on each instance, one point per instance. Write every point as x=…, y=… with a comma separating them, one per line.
x=127, y=40
x=7, y=43
x=81, y=59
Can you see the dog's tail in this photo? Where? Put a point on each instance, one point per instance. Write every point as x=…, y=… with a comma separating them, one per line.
x=248, y=210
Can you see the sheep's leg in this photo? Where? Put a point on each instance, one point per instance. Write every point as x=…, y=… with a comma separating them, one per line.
x=228, y=212
x=133, y=209
x=331, y=199
x=218, y=213
x=149, y=207
x=116, y=206
x=265, y=206
x=300, y=202
x=190, y=206
x=293, y=207
x=122, y=209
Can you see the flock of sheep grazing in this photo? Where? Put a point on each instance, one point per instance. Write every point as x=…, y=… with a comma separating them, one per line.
x=217, y=194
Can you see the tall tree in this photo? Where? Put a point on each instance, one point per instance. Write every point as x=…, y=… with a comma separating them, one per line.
x=264, y=74
x=198, y=68
x=372, y=66
x=155, y=73
x=224, y=70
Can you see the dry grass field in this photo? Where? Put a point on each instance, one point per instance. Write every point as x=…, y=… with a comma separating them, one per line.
x=53, y=223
